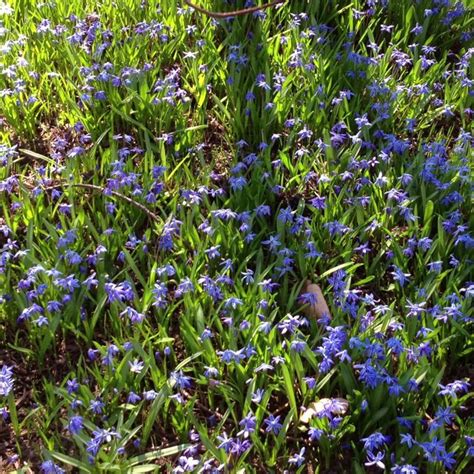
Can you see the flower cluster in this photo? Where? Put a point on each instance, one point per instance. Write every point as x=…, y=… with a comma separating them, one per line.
x=165, y=194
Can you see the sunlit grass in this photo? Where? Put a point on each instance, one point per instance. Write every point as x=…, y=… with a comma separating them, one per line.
x=168, y=183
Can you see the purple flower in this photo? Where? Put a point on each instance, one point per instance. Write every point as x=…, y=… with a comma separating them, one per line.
x=6, y=380
x=318, y=202
x=297, y=345
x=374, y=441
x=76, y=151
x=186, y=286
x=119, y=292
x=211, y=372
x=97, y=406
x=232, y=303
x=298, y=458
x=285, y=215
x=182, y=381
x=75, y=424
x=308, y=298
x=248, y=423
x=399, y=276
x=48, y=467
x=133, y=398
x=262, y=210
x=225, y=442
x=133, y=315
x=452, y=389
x=237, y=183
x=72, y=386
x=268, y=285
x=247, y=276
x=150, y=395
x=186, y=464
x=470, y=445
x=375, y=460
x=315, y=434
x=257, y=395
x=273, y=424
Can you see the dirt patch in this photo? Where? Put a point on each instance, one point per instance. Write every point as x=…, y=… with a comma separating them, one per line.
x=217, y=151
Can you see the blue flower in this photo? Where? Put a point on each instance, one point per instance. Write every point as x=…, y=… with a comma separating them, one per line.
x=273, y=424
x=97, y=406
x=407, y=439
x=75, y=424
x=72, y=386
x=404, y=469
x=399, y=276
x=453, y=388
x=182, y=381
x=375, y=460
x=298, y=458
x=315, y=434
x=133, y=398
x=297, y=345
x=119, y=292
x=48, y=467
x=225, y=442
x=257, y=395
x=470, y=445
x=248, y=423
x=374, y=441
x=6, y=380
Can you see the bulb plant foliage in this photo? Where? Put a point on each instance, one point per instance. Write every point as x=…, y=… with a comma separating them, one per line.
x=169, y=182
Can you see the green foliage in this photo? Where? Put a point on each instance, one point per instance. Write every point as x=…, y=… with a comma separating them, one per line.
x=102, y=94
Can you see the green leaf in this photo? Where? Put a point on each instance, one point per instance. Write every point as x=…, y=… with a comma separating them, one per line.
x=290, y=390
x=158, y=454
x=352, y=266
x=153, y=414
x=144, y=468
x=68, y=460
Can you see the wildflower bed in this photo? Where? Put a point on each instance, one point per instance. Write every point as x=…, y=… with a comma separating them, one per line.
x=169, y=182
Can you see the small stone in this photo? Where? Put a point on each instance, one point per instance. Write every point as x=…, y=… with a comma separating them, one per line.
x=320, y=309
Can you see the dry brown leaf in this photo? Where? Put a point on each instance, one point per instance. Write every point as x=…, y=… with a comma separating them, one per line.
x=337, y=406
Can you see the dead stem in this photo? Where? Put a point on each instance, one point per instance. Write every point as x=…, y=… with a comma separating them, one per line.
x=245, y=11
x=93, y=187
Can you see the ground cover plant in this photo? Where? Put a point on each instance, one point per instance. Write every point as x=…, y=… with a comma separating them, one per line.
x=169, y=182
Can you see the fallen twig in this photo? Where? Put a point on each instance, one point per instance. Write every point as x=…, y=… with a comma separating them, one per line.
x=93, y=187
x=244, y=11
